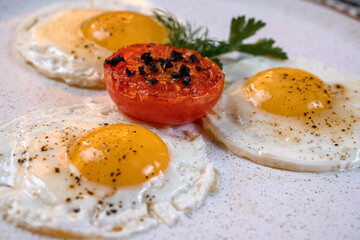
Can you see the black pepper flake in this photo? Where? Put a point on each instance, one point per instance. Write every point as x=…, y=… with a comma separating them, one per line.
x=175, y=74
x=313, y=126
x=193, y=59
x=21, y=161
x=154, y=67
x=44, y=148
x=338, y=86
x=166, y=64
x=77, y=179
x=152, y=81
x=176, y=56
x=57, y=170
x=186, y=81
x=141, y=70
x=115, y=60
x=129, y=73
x=184, y=70
x=68, y=200
x=198, y=68
x=76, y=210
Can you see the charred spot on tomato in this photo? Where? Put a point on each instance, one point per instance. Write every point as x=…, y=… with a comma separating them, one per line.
x=186, y=81
x=129, y=73
x=152, y=81
x=166, y=64
x=184, y=70
x=198, y=68
x=175, y=75
x=176, y=56
x=148, y=59
x=145, y=55
x=154, y=67
x=193, y=59
x=142, y=70
x=114, y=61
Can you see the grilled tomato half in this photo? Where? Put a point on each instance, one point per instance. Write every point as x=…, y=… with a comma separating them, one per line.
x=162, y=84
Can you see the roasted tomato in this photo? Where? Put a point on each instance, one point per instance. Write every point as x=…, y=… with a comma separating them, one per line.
x=162, y=84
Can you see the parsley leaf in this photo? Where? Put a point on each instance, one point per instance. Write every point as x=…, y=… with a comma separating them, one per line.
x=263, y=47
x=242, y=29
x=186, y=35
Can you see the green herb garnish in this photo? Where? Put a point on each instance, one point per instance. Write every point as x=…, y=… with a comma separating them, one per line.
x=197, y=38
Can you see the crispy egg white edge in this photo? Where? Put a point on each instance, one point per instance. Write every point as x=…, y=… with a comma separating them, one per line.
x=43, y=57
x=216, y=122
x=188, y=198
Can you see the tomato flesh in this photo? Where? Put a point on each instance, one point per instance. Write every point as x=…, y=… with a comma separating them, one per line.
x=158, y=94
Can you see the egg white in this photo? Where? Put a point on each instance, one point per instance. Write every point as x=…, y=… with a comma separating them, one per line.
x=34, y=196
x=285, y=142
x=51, y=40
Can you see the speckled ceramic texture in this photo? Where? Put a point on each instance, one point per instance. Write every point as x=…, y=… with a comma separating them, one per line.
x=253, y=202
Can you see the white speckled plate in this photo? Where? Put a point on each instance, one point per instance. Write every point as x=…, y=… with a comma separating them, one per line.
x=254, y=202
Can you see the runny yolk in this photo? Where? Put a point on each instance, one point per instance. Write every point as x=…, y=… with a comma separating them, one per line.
x=114, y=30
x=119, y=155
x=288, y=92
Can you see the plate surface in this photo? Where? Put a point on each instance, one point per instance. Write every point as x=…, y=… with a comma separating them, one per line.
x=254, y=202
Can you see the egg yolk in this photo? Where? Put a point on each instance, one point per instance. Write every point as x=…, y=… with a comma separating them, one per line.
x=119, y=155
x=288, y=92
x=114, y=30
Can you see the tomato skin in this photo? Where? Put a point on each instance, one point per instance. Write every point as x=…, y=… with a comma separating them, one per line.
x=168, y=101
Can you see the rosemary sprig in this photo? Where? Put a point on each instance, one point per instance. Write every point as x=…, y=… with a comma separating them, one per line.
x=186, y=35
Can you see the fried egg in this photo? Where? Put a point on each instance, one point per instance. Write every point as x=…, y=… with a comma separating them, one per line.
x=69, y=42
x=296, y=114
x=88, y=171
